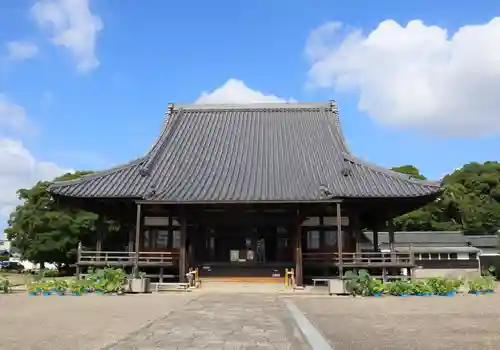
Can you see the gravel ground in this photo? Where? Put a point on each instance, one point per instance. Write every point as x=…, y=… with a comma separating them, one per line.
x=222, y=320
x=86, y=322
x=404, y=323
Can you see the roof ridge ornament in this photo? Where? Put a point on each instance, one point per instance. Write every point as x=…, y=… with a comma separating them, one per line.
x=334, y=107
x=325, y=192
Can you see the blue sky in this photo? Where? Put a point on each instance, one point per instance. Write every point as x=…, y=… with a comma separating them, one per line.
x=84, y=110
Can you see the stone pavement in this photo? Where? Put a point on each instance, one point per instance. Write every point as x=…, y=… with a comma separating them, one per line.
x=214, y=321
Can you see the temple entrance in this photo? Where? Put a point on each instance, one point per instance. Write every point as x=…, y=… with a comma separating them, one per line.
x=228, y=250
x=235, y=245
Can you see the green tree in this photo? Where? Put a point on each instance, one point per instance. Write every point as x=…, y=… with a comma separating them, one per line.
x=44, y=230
x=469, y=201
x=409, y=170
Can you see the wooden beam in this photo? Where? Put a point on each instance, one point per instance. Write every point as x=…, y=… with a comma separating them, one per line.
x=299, y=278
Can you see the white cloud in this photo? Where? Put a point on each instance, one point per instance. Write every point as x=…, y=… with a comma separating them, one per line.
x=21, y=50
x=20, y=169
x=73, y=26
x=235, y=91
x=415, y=75
x=12, y=116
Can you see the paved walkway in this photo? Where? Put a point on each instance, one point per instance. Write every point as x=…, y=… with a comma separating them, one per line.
x=214, y=321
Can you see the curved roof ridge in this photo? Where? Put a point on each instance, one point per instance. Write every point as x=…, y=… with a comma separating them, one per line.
x=163, y=127
x=98, y=174
x=338, y=125
x=389, y=172
x=171, y=121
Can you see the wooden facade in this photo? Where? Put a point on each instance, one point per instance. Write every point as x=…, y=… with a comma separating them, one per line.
x=316, y=240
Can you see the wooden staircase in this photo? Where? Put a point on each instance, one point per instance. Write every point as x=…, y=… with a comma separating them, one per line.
x=245, y=280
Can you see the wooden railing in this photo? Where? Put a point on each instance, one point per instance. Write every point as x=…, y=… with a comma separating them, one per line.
x=113, y=257
x=361, y=258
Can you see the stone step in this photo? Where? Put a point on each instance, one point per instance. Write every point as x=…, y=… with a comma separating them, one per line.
x=242, y=287
x=246, y=280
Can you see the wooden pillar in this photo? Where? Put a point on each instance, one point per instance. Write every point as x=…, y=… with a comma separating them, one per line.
x=390, y=227
x=78, y=258
x=182, y=250
x=356, y=230
x=340, y=241
x=299, y=278
x=98, y=243
x=131, y=240
x=375, y=238
x=138, y=222
x=160, y=278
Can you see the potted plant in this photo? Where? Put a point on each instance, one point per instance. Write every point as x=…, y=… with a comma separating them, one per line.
x=34, y=289
x=139, y=283
x=377, y=288
x=100, y=287
x=417, y=288
x=76, y=289
x=449, y=288
x=475, y=286
x=87, y=286
x=405, y=288
x=61, y=287
x=5, y=285
x=113, y=288
x=46, y=289
x=489, y=284
x=52, y=285
x=435, y=284
x=394, y=288
x=426, y=289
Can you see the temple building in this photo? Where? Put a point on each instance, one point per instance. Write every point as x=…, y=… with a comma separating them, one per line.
x=248, y=190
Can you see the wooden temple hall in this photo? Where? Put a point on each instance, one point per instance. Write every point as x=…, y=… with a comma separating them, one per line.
x=247, y=191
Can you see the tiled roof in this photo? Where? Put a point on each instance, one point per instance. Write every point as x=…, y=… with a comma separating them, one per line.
x=432, y=238
x=486, y=241
x=248, y=153
x=421, y=237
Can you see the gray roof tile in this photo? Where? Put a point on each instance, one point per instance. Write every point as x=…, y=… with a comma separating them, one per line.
x=270, y=152
x=486, y=241
x=433, y=238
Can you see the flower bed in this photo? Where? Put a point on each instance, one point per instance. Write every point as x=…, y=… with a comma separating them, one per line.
x=103, y=281
x=363, y=284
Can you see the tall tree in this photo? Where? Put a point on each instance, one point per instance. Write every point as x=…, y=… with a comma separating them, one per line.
x=409, y=170
x=469, y=201
x=44, y=230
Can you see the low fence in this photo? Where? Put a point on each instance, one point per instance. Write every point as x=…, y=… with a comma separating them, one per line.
x=379, y=259
x=88, y=257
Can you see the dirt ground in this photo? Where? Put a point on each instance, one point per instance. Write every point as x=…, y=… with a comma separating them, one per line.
x=86, y=322
x=402, y=323
x=395, y=323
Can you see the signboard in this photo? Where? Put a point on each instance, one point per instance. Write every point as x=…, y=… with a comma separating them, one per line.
x=234, y=255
